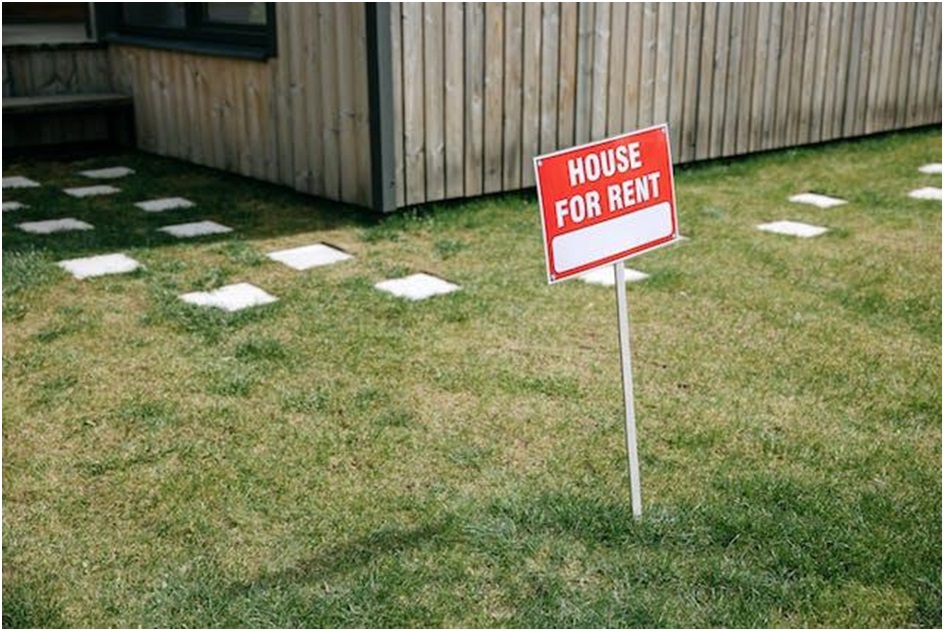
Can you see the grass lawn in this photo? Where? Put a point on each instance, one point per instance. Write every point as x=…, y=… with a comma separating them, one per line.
x=346, y=458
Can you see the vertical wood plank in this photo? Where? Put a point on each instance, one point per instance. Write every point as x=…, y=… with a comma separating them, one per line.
x=475, y=95
x=282, y=98
x=566, y=95
x=909, y=41
x=820, y=77
x=434, y=114
x=531, y=91
x=677, y=80
x=511, y=114
x=311, y=113
x=617, y=72
x=924, y=82
x=647, y=67
x=664, y=28
x=454, y=37
x=919, y=71
x=706, y=81
x=586, y=24
x=330, y=108
x=632, y=65
x=494, y=78
x=772, y=77
x=550, y=72
x=601, y=66
x=854, y=74
x=396, y=51
x=746, y=105
x=413, y=104
x=733, y=95
x=762, y=46
x=719, y=96
x=692, y=98
x=797, y=88
x=358, y=36
x=346, y=102
x=305, y=87
x=832, y=85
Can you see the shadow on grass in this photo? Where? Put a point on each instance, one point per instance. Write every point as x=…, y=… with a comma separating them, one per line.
x=769, y=551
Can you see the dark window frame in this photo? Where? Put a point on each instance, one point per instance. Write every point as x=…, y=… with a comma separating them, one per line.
x=198, y=35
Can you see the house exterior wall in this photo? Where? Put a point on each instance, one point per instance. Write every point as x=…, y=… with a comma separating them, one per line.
x=300, y=119
x=479, y=89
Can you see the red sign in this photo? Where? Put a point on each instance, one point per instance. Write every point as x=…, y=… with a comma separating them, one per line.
x=606, y=201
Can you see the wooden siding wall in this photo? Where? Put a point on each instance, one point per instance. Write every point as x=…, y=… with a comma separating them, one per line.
x=47, y=70
x=481, y=88
x=300, y=119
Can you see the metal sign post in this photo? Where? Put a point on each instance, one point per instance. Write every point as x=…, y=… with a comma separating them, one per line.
x=602, y=203
x=626, y=363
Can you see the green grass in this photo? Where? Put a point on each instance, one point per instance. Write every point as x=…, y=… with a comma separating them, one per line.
x=344, y=458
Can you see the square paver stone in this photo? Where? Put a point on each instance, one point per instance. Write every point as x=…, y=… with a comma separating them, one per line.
x=18, y=181
x=417, y=286
x=820, y=201
x=91, y=191
x=13, y=206
x=91, y=266
x=931, y=169
x=606, y=276
x=108, y=173
x=793, y=229
x=195, y=229
x=928, y=192
x=309, y=256
x=230, y=297
x=164, y=203
x=54, y=225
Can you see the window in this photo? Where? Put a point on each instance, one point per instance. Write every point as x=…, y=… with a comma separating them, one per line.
x=243, y=29
x=45, y=23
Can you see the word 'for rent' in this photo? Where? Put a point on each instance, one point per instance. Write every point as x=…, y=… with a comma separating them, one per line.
x=619, y=196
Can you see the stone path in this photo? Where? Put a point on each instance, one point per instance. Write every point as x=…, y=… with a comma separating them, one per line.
x=815, y=199
x=105, y=264
x=414, y=287
x=793, y=229
x=309, y=256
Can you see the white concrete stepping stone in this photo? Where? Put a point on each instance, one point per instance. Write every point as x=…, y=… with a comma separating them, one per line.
x=606, y=276
x=164, y=203
x=54, y=225
x=793, y=229
x=13, y=206
x=18, y=181
x=309, y=256
x=195, y=229
x=91, y=266
x=91, y=191
x=931, y=169
x=928, y=192
x=108, y=173
x=820, y=201
x=417, y=287
x=230, y=298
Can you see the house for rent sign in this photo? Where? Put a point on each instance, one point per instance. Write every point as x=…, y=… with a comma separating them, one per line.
x=606, y=201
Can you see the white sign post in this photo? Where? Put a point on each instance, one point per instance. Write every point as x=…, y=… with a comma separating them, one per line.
x=603, y=203
x=626, y=365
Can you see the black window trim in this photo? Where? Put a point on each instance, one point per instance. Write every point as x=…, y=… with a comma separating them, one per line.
x=198, y=36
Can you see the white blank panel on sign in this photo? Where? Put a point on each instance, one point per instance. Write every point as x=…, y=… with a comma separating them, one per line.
x=582, y=247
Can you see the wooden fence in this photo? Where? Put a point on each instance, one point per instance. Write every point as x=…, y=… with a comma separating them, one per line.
x=300, y=119
x=481, y=88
